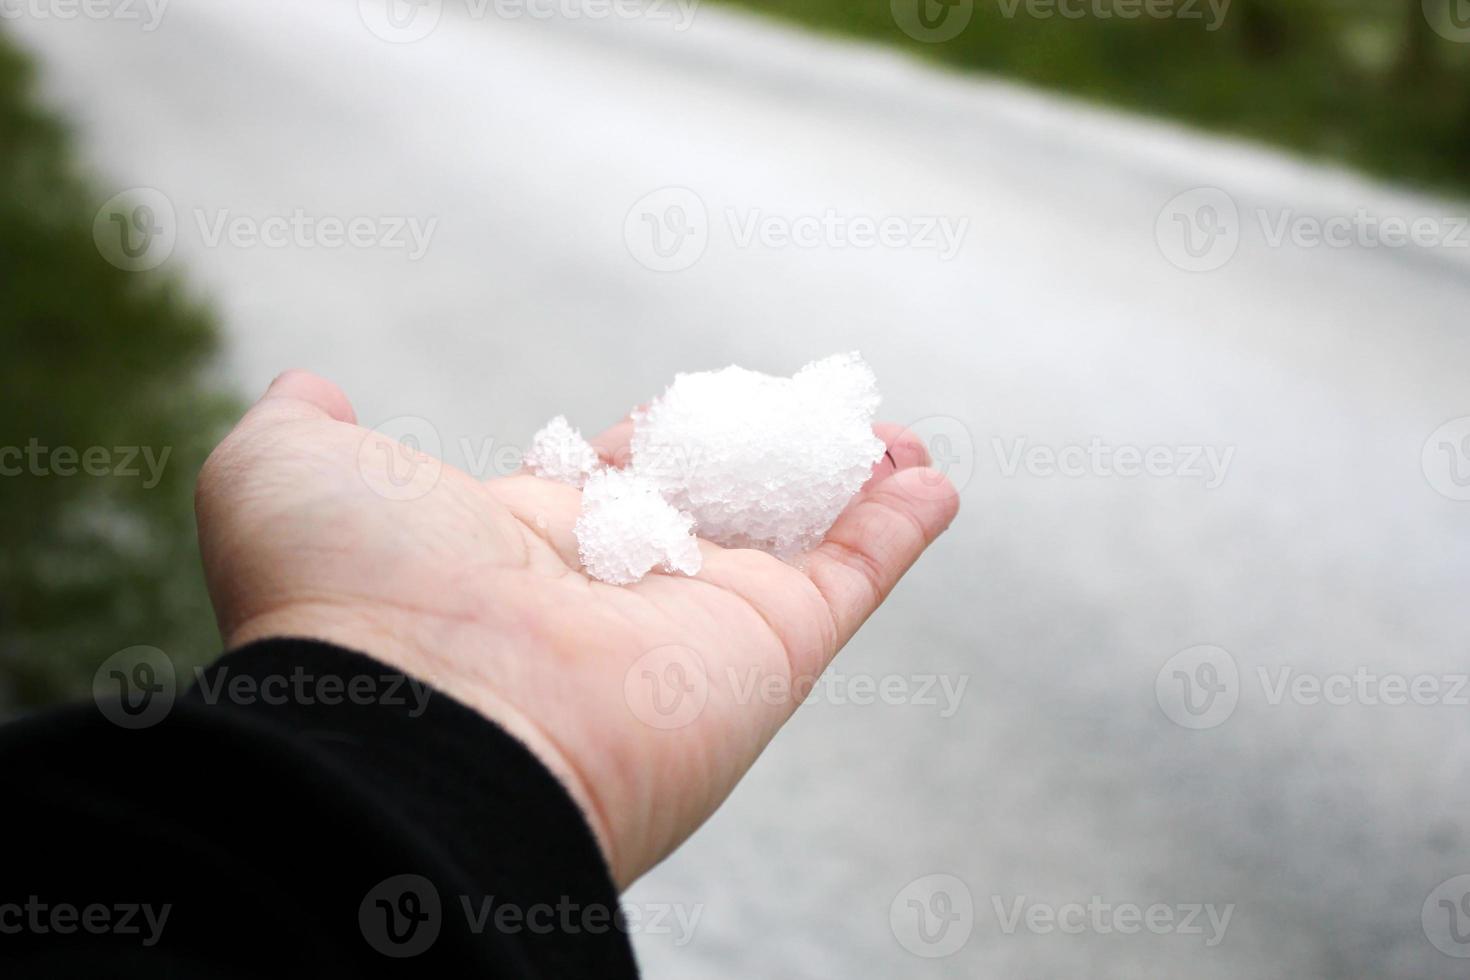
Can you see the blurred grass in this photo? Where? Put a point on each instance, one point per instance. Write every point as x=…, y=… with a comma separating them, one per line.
x=1368, y=82
x=94, y=356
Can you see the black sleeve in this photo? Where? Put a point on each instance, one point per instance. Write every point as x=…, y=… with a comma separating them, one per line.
x=302, y=810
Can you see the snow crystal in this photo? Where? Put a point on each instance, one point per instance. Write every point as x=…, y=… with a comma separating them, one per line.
x=762, y=462
x=558, y=452
x=743, y=459
x=626, y=528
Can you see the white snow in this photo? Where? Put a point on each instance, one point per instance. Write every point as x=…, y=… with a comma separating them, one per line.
x=741, y=458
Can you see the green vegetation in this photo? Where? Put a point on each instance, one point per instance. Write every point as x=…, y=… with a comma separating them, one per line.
x=1370, y=82
x=94, y=357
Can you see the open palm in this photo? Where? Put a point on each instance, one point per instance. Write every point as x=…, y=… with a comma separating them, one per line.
x=648, y=701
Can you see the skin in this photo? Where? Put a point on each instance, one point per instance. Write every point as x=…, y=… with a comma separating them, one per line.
x=313, y=526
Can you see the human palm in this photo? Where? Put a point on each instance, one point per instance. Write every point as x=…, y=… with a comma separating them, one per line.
x=648, y=701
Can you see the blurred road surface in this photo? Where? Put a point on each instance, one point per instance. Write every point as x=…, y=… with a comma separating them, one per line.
x=604, y=200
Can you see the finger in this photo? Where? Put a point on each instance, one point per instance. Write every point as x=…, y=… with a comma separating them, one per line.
x=293, y=395
x=545, y=507
x=875, y=540
x=903, y=450
x=614, y=444
x=297, y=395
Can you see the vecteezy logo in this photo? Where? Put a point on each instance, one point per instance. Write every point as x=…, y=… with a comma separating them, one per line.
x=667, y=687
x=951, y=454
x=1199, y=230
x=932, y=21
x=932, y=916
x=1450, y=19
x=135, y=229
x=400, y=916
x=135, y=687
x=1198, y=687
x=400, y=21
x=667, y=230
x=1446, y=917
x=1446, y=459
x=400, y=459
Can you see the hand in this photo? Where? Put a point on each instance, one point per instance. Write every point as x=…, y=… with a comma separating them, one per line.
x=639, y=698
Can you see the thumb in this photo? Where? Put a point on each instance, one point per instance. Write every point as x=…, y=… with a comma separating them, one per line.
x=293, y=396
x=301, y=395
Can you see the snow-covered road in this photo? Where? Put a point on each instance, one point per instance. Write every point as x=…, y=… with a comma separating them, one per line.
x=1151, y=458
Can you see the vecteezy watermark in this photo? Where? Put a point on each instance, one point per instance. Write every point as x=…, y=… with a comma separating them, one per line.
x=1198, y=687
x=402, y=916
x=299, y=229
x=948, y=441
x=932, y=21
x=147, y=14
x=940, y=691
x=399, y=459
x=1450, y=19
x=1208, y=464
x=1100, y=917
x=667, y=688
x=484, y=457
x=937, y=21
x=406, y=21
x=35, y=459
x=1445, y=916
x=673, y=919
x=402, y=458
x=1200, y=229
x=137, y=230
x=951, y=450
x=304, y=687
x=1201, y=686
x=1284, y=684
x=1210, y=13
x=1363, y=229
x=41, y=918
x=932, y=916
x=832, y=229
x=1445, y=459
x=669, y=229
x=135, y=687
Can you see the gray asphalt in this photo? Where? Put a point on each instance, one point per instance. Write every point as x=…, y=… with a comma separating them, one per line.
x=1329, y=545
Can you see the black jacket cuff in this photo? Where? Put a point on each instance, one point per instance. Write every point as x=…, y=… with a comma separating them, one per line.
x=305, y=798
